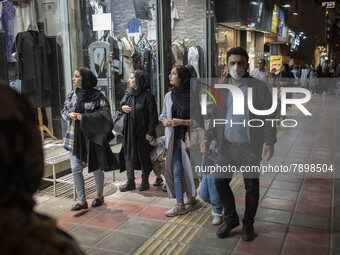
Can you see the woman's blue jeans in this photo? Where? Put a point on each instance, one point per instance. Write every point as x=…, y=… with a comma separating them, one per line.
x=177, y=170
x=78, y=178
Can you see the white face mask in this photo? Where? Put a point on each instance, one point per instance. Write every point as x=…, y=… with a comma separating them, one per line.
x=237, y=72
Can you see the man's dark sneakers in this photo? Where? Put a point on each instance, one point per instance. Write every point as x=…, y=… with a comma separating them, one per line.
x=248, y=233
x=158, y=182
x=129, y=185
x=224, y=231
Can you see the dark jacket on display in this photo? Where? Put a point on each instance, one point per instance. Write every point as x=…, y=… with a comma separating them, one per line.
x=262, y=100
x=97, y=129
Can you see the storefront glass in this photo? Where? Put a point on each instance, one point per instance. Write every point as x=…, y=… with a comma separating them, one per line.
x=113, y=38
x=189, y=34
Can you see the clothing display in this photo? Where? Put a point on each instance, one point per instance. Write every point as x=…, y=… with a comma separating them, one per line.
x=6, y=21
x=127, y=52
x=24, y=18
x=152, y=29
x=180, y=54
x=133, y=30
x=33, y=50
x=141, y=58
x=193, y=59
x=174, y=14
x=142, y=9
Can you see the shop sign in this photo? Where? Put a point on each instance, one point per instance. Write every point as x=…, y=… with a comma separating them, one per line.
x=275, y=64
x=328, y=4
x=101, y=21
x=275, y=19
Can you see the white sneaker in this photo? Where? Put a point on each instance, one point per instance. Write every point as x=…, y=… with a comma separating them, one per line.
x=217, y=218
x=177, y=210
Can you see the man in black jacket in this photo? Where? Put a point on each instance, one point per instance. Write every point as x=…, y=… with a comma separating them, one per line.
x=243, y=139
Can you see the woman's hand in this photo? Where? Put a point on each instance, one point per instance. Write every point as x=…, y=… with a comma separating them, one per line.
x=167, y=123
x=126, y=109
x=79, y=116
x=181, y=122
x=73, y=115
x=149, y=137
x=176, y=122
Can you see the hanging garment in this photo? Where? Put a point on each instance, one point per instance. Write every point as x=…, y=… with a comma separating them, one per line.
x=133, y=30
x=178, y=53
x=7, y=18
x=193, y=59
x=141, y=59
x=33, y=50
x=24, y=18
x=0, y=17
x=174, y=14
x=152, y=33
x=201, y=60
x=127, y=63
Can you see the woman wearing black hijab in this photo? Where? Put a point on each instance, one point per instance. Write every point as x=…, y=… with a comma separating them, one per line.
x=177, y=119
x=89, y=131
x=141, y=120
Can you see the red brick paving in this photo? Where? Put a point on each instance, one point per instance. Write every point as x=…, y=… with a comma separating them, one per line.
x=107, y=220
x=279, y=204
x=154, y=213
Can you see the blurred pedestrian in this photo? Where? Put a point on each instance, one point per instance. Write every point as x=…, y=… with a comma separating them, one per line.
x=22, y=230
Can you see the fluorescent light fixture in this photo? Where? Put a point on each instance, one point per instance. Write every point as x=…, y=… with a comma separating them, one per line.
x=295, y=13
x=254, y=3
x=304, y=37
x=286, y=6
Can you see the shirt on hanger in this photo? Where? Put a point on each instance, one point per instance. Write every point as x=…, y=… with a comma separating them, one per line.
x=174, y=14
x=134, y=30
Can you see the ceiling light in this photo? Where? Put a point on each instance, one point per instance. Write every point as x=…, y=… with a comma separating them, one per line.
x=304, y=37
x=295, y=14
x=286, y=6
x=254, y=3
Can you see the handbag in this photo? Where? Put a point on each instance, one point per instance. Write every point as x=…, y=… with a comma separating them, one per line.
x=193, y=138
x=119, y=122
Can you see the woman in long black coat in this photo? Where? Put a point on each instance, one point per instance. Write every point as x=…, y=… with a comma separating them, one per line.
x=140, y=123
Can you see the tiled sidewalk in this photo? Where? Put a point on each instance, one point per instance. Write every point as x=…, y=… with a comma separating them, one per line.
x=298, y=213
